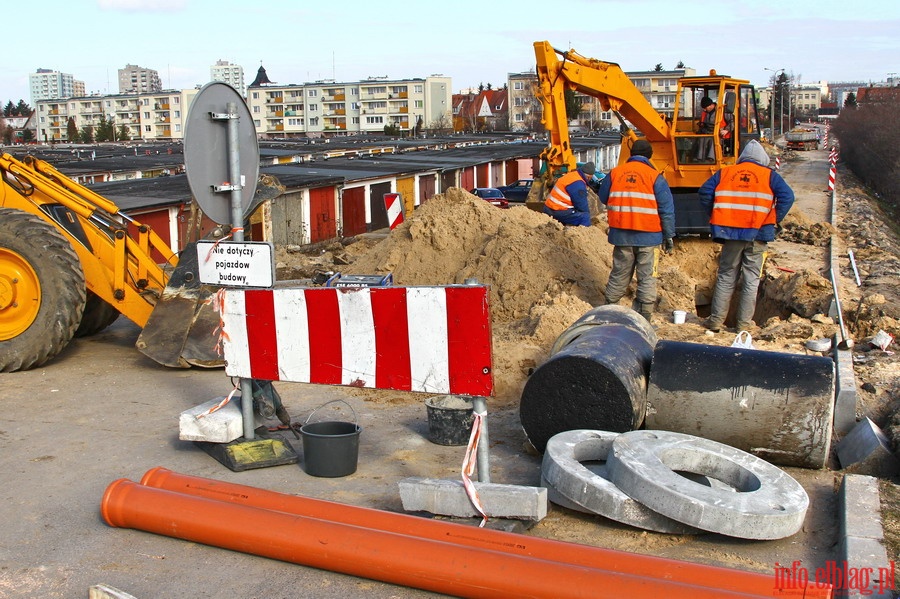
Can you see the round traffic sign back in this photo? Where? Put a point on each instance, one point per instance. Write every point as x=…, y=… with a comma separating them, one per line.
x=207, y=150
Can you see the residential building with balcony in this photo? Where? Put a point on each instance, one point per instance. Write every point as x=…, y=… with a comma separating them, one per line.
x=46, y=84
x=138, y=80
x=232, y=74
x=150, y=116
x=327, y=108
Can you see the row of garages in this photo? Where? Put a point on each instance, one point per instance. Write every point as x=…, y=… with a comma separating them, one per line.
x=328, y=198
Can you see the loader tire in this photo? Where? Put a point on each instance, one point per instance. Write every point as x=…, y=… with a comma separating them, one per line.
x=98, y=314
x=42, y=291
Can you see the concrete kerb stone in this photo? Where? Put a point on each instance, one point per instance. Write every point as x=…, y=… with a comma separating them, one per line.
x=591, y=492
x=223, y=425
x=448, y=498
x=765, y=502
x=845, y=395
x=862, y=539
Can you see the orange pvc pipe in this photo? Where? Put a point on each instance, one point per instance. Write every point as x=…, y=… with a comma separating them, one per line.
x=722, y=579
x=391, y=557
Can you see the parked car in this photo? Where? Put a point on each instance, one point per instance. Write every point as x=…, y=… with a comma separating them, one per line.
x=518, y=191
x=492, y=195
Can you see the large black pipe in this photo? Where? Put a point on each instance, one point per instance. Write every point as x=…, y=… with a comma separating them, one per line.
x=775, y=405
x=597, y=379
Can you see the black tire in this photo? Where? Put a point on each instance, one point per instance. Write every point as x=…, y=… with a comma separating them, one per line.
x=37, y=328
x=98, y=314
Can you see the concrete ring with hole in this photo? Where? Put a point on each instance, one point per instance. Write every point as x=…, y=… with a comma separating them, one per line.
x=572, y=485
x=761, y=501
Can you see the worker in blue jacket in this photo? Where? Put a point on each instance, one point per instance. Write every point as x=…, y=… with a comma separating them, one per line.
x=568, y=200
x=641, y=217
x=746, y=202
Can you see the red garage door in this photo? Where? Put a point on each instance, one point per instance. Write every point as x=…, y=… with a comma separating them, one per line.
x=321, y=210
x=353, y=211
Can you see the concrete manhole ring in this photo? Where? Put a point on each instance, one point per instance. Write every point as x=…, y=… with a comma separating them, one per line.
x=762, y=501
x=571, y=484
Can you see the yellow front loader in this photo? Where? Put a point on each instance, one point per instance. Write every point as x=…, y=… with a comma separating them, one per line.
x=71, y=263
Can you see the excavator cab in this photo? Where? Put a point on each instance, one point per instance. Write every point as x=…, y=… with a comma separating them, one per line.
x=703, y=145
x=685, y=155
x=718, y=139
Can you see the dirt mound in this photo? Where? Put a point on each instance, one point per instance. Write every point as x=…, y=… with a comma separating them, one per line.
x=797, y=227
x=524, y=257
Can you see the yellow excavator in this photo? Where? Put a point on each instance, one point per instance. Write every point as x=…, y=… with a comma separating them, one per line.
x=686, y=156
x=71, y=263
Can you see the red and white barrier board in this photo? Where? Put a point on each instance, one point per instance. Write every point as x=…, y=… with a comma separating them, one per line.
x=393, y=203
x=427, y=339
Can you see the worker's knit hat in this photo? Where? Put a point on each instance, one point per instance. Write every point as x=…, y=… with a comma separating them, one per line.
x=755, y=152
x=643, y=148
x=587, y=168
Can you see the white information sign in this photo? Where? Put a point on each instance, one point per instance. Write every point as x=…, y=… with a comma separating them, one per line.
x=236, y=263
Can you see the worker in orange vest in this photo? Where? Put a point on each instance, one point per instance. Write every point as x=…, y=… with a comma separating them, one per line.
x=641, y=216
x=568, y=200
x=745, y=202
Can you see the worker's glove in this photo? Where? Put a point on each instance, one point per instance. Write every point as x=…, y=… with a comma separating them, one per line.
x=669, y=245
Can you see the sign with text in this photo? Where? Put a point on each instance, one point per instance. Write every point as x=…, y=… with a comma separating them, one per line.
x=236, y=263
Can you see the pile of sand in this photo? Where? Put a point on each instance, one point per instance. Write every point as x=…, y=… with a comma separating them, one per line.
x=544, y=276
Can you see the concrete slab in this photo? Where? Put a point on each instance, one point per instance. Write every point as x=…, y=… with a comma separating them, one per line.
x=863, y=565
x=222, y=426
x=102, y=591
x=449, y=498
x=866, y=450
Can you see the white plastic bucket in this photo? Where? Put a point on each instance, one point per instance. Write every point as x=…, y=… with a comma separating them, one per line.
x=678, y=316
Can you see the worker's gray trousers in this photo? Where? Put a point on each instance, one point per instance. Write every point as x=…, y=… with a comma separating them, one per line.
x=744, y=258
x=626, y=260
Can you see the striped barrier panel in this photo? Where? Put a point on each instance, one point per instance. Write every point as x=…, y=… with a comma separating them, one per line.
x=426, y=339
x=393, y=203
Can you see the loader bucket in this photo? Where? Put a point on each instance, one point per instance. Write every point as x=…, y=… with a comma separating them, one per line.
x=182, y=330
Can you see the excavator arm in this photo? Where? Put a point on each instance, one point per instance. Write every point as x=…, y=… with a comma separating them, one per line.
x=558, y=70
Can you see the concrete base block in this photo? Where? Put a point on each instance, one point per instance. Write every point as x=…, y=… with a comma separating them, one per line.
x=448, y=498
x=866, y=450
x=103, y=591
x=222, y=426
x=861, y=548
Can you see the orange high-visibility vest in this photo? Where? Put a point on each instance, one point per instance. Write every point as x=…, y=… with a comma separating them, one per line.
x=559, y=199
x=632, y=203
x=743, y=197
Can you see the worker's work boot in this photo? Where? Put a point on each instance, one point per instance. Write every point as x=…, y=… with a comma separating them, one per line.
x=713, y=325
x=646, y=310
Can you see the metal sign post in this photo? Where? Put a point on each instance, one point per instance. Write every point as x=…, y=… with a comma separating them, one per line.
x=212, y=174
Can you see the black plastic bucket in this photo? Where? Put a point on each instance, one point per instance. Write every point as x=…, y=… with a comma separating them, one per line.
x=330, y=448
x=450, y=419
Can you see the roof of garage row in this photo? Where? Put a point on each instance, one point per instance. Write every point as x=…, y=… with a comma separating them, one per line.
x=159, y=191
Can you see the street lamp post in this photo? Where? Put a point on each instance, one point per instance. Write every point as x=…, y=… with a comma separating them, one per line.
x=772, y=99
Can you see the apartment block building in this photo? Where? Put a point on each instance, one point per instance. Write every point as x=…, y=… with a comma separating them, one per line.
x=47, y=84
x=328, y=108
x=232, y=74
x=138, y=80
x=150, y=116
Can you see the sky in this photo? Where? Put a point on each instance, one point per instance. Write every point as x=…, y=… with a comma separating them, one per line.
x=474, y=42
